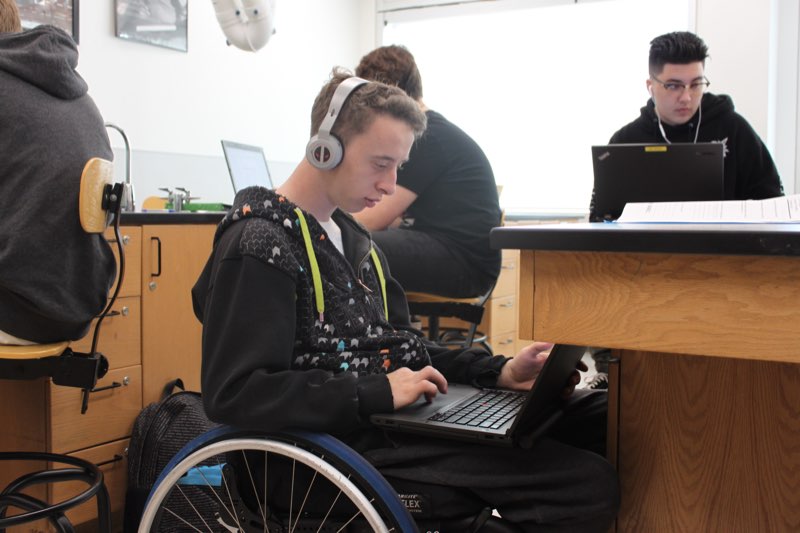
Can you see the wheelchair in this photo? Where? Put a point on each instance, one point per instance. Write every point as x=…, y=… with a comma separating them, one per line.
x=232, y=480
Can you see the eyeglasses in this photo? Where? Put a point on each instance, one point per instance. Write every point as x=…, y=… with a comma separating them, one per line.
x=676, y=88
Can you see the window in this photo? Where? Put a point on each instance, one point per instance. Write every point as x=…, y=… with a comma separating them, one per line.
x=535, y=82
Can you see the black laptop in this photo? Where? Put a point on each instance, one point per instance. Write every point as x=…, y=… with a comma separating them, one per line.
x=495, y=416
x=655, y=173
x=247, y=165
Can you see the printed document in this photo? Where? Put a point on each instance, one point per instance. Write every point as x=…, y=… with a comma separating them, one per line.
x=782, y=209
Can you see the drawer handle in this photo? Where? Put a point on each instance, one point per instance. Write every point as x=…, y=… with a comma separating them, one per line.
x=507, y=304
x=507, y=267
x=117, y=458
x=114, y=385
x=158, y=271
x=506, y=341
x=125, y=240
x=123, y=312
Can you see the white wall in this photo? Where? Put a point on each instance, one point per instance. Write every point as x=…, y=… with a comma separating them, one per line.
x=175, y=107
x=738, y=38
x=753, y=48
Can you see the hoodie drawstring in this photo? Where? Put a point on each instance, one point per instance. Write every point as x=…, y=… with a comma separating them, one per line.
x=379, y=271
x=312, y=259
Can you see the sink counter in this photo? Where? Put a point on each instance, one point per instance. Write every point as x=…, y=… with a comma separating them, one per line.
x=159, y=217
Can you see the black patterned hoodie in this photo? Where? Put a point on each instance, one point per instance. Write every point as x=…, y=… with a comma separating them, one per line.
x=271, y=344
x=275, y=356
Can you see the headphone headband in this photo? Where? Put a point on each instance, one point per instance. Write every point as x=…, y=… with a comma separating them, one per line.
x=324, y=150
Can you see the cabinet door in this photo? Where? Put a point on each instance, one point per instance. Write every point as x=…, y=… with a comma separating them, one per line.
x=172, y=258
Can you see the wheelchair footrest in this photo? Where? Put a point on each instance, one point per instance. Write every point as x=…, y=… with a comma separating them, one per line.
x=70, y=369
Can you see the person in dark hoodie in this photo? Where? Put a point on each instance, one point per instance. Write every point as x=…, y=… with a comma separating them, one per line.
x=304, y=326
x=680, y=110
x=54, y=277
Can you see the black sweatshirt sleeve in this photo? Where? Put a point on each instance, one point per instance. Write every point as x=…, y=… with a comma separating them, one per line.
x=757, y=175
x=248, y=339
x=471, y=366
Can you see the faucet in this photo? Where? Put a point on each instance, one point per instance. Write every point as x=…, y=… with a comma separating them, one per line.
x=177, y=198
x=128, y=203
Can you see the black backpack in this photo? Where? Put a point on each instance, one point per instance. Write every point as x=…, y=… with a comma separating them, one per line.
x=159, y=432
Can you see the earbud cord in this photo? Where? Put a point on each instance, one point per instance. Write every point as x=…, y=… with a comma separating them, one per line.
x=697, y=130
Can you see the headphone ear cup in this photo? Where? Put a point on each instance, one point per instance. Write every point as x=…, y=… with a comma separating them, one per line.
x=324, y=152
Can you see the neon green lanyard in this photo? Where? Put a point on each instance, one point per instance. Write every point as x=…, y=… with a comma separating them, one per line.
x=379, y=271
x=317, y=278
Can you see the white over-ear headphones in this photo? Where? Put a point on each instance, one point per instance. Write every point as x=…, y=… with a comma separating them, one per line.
x=324, y=150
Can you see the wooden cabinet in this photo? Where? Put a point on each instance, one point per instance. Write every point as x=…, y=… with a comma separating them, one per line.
x=500, y=317
x=40, y=416
x=149, y=337
x=172, y=259
x=704, y=401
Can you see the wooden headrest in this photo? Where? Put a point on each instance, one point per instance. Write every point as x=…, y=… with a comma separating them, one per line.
x=95, y=176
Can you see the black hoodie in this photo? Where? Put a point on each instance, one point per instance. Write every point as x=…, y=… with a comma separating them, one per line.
x=270, y=360
x=749, y=172
x=54, y=278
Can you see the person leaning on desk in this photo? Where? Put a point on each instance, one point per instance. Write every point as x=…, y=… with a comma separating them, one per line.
x=435, y=228
x=680, y=110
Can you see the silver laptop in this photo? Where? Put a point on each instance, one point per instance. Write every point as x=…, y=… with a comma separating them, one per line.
x=247, y=165
x=494, y=416
x=655, y=173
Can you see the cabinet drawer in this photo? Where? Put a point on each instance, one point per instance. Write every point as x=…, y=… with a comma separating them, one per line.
x=120, y=334
x=132, y=245
x=504, y=344
x=507, y=280
x=110, y=415
x=113, y=461
x=503, y=317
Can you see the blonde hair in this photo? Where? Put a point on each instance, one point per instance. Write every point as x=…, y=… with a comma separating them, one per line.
x=9, y=17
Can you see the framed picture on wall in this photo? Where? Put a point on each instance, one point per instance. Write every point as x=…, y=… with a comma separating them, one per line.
x=60, y=13
x=158, y=22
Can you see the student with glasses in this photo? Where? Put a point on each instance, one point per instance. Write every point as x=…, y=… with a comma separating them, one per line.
x=681, y=110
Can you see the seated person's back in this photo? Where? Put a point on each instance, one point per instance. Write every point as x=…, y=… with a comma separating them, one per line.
x=446, y=196
x=54, y=277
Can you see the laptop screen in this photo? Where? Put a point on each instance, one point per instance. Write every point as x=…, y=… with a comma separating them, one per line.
x=655, y=173
x=247, y=165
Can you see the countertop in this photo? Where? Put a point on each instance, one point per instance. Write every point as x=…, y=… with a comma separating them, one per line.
x=728, y=239
x=164, y=217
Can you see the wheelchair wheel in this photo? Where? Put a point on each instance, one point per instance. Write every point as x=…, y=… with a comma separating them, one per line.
x=226, y=481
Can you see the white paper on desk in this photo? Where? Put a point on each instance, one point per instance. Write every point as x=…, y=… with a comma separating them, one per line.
x=782, y=209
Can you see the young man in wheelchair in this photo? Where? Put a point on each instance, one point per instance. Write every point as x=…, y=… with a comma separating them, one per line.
x=303, y=326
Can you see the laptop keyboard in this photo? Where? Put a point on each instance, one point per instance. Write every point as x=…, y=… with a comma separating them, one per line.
x=489, y=409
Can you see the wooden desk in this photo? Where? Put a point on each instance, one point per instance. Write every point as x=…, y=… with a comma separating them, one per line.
x=704, y=415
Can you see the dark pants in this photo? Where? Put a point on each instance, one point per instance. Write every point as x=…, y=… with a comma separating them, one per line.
x=562, y=483
x=422, y=262
x=601, y=357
